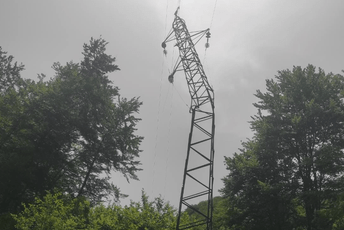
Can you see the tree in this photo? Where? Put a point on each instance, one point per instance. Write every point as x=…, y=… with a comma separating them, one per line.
x=253, y=197
x=67, y=132
x=9, y=72
x=103, y=131
x=292, y=169
x=57, y=211
x=54, y=211
x=14, y=123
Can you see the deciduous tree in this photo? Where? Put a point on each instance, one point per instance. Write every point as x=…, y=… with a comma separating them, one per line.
x=56, y=211
x=292, y=169
x=69, y=132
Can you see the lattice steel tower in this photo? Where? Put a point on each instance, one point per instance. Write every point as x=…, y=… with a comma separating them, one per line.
x=199, y=164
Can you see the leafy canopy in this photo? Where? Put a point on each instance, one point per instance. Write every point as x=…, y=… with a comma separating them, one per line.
x=57, y=211
x=69, y=132
x=291, y=173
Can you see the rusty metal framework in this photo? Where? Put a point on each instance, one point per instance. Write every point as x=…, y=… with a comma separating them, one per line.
x=199, y=164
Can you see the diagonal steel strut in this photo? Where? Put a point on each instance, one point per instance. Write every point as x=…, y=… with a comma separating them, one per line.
x=198, y=172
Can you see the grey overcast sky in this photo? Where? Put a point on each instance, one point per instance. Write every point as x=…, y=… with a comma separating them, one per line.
x=251, y=40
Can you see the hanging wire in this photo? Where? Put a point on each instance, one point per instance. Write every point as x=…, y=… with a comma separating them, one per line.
x=168, y=144
x=158, y=124
x=211, y=23
x=180, y=97
x=159, y=106
x=166, y=16
x=168, y=92
x=167, y=98
x=172, y=67
x=212, y=18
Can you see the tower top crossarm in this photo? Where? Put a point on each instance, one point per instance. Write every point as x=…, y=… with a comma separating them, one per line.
x=199, y=88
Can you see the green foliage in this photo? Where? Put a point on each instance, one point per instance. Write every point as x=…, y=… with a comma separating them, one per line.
x=53, y=212
x=9, y=72
x=7, y=222
x=69, y=132
x=56, y=211
x=218, y=213
x=153, y=215
x=290, y=174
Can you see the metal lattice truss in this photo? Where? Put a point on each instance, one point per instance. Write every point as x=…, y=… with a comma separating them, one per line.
x=198, y=172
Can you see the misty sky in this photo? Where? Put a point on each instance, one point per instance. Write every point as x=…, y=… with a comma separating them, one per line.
x=251, y=40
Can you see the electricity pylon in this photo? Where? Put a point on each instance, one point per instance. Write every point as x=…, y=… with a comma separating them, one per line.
x=199, y=164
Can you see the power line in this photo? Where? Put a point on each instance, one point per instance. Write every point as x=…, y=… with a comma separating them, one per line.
x=212, y=18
